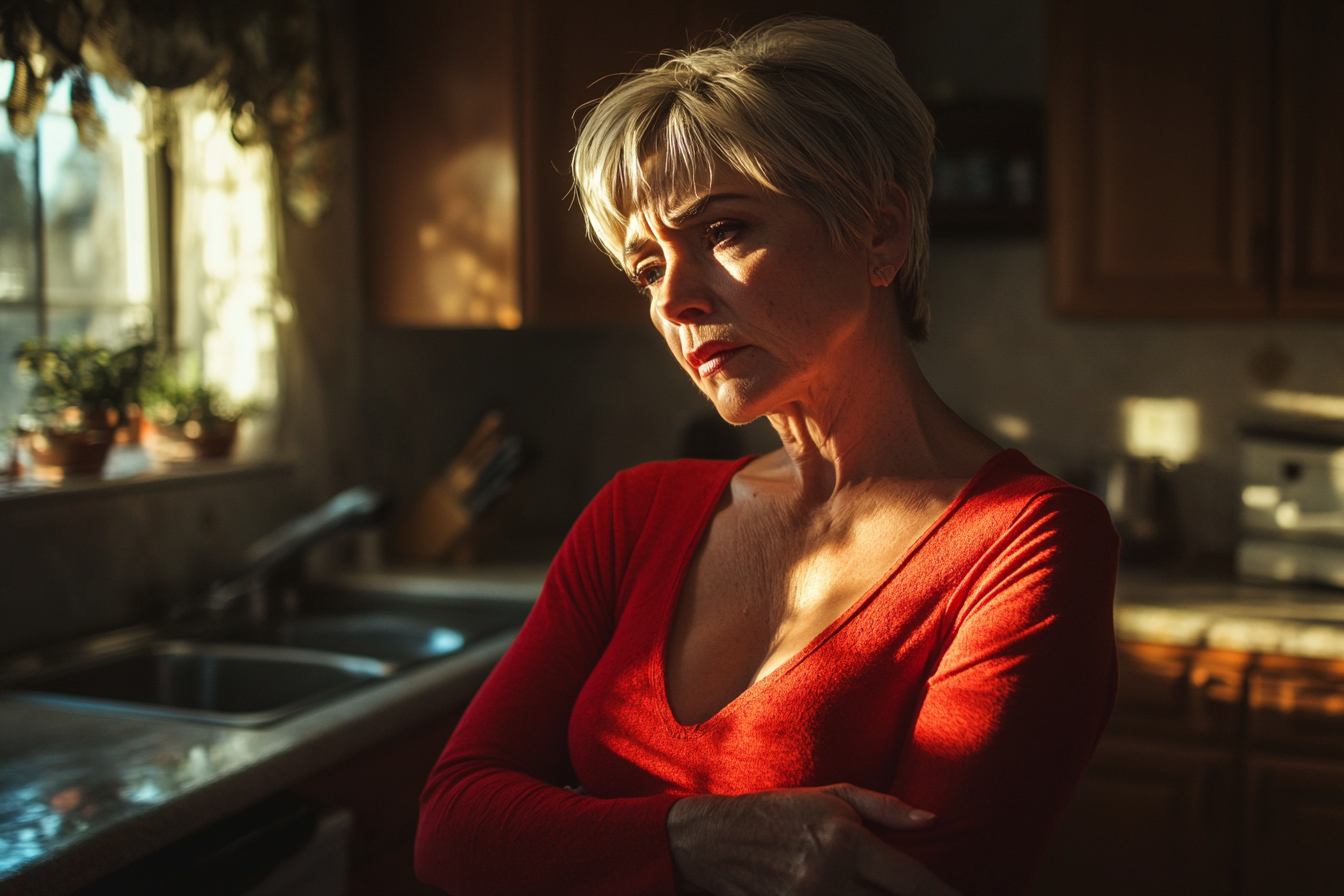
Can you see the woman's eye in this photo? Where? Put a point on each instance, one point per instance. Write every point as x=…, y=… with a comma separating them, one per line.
x=648, y=275
x=722, y=231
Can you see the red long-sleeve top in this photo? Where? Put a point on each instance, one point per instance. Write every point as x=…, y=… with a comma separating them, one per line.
x=972, y=681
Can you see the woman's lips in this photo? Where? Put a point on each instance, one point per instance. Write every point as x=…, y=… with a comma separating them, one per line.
x=709, y=358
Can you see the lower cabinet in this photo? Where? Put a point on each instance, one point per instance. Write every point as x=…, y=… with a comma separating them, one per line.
x=1221, y=773
x=1294, y=826
x=1147, y=818
x=381, y=787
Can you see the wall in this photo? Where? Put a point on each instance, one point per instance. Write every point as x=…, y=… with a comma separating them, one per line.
x=87, y=560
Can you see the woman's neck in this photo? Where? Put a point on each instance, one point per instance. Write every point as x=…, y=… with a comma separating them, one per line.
x=875, y=417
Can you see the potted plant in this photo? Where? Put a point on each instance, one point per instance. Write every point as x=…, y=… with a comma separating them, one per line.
x=81, y=392
x=187, y=421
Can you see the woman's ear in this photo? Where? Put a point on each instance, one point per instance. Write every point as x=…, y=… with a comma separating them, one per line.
x=890, y=240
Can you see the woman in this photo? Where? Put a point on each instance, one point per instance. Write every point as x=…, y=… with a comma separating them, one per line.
x=874, y=661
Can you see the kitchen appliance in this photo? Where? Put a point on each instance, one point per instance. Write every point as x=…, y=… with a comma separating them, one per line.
x=1292, y=505
x=1141, y=497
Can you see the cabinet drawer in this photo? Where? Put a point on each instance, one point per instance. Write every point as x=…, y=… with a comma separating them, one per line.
x=1182, y=693
x=1297, y=705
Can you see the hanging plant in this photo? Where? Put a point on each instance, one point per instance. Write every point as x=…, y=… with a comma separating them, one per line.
x=267, y=56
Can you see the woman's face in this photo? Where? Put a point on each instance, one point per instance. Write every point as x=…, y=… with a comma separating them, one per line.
x=753, y=300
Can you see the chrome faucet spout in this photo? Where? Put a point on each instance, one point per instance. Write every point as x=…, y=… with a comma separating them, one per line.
x=268, y=553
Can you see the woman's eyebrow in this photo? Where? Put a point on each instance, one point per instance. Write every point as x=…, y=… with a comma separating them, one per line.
x=698, y=206
x=680, y=216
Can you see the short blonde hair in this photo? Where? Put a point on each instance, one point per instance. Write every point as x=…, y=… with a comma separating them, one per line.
x=810, y=108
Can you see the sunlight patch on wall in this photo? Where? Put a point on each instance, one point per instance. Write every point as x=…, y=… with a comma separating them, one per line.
x=1164, y=428
x=1328, y=407
x=1011, y=427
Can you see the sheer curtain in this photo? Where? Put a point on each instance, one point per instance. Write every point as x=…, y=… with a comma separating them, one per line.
x=226, y=259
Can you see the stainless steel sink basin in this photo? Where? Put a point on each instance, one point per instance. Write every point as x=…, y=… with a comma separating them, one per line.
x=392, y=639
x=231, y=683
x=250, y=674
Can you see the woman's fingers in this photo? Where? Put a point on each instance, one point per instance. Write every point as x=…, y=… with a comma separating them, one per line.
x=881, y=808
x=802, y=842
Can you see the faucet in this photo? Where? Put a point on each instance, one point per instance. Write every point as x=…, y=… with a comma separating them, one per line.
x=265, y=556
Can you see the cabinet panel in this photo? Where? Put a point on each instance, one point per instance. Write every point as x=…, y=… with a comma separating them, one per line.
x=1158, y=141
x=573, y=54
x=1295, y=825
x=1179, y=693
x=1297, y=706
x=1312, y=149
x=438, y=162
x=1146, y=818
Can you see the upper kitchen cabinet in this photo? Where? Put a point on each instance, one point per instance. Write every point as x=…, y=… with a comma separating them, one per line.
x=438, y=129
x=572, y=53
x=1196, y=156
x=1158, y=141
x=1311, y=185
x=467, y=118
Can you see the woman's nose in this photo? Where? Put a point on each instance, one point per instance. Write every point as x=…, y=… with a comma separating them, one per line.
x=683, y=296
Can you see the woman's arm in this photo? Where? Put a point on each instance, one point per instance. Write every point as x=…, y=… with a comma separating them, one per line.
x=1016, y=703
x=495, y=817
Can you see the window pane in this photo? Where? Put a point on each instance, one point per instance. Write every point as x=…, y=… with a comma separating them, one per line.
x=95, y=203
x=16, y=325
x=18, y=251
x=111, y=327
x=226, y=264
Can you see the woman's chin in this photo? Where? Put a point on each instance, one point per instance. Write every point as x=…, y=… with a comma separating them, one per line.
x=736, y=405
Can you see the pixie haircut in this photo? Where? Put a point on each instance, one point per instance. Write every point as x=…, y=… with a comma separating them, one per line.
x=814, y=109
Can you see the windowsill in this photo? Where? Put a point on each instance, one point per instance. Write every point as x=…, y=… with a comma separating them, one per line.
x=126, y=473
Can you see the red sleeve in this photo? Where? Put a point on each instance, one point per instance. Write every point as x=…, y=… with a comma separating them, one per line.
x=495, y=817
x=1016, y=703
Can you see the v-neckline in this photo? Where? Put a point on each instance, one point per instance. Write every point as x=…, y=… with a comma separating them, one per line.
x=658, y=658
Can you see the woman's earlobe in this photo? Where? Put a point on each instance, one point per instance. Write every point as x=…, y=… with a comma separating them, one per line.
x=882, y=275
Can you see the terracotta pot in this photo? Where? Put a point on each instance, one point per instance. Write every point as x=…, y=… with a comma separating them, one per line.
x=191, y=440
x=57, y=455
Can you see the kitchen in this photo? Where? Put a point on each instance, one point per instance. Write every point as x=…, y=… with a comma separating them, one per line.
x=389, y=405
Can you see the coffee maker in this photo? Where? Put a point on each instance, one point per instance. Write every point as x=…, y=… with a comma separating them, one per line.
x=1292, y=505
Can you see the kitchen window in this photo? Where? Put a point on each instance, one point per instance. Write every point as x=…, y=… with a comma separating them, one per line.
x=131, y=236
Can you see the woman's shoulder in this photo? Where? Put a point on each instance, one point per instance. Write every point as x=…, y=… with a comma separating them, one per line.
x=649, y=478
x=663, y=486
x=1010, y=489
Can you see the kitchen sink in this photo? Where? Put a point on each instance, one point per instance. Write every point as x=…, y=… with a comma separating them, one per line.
x=234, y=683
x=251, y=674
x=392, y=639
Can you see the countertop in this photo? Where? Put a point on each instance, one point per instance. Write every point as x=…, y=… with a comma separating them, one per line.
x=1229, y=615
x=82, y=793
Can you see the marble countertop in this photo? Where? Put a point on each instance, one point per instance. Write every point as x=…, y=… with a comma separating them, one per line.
x=83, y=792
x=1230, y=615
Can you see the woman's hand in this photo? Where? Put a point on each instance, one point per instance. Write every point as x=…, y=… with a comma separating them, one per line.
x=796, y=842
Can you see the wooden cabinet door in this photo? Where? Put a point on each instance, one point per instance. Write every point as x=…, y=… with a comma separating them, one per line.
x=573, y=53
x=1294, y=826
x=1147, y=818
x=438, y=162
x=1311, y=149
x=1158, y=138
